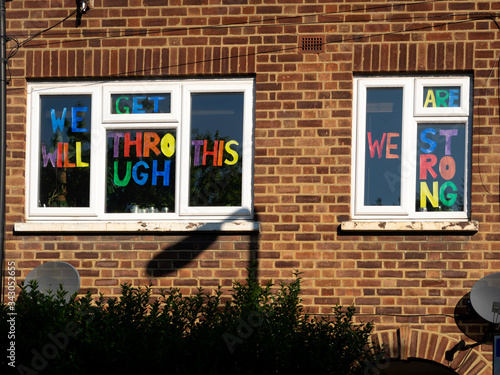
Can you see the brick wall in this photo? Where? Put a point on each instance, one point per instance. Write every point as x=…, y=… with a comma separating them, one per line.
x=302, y=143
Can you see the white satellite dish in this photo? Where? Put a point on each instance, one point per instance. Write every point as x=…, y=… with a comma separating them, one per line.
x=485, y=297
x=52, y=274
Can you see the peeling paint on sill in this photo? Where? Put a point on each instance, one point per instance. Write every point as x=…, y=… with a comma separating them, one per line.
x=398, y=226
x=141, y=226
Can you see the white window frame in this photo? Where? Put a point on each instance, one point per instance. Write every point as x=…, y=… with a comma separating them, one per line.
x=102, y=120
x=33, y=152
x=462, y=110
x=247, y=157
x=413, y=114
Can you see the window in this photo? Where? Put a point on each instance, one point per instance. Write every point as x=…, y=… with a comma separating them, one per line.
x=412, y=149
x=141, y=150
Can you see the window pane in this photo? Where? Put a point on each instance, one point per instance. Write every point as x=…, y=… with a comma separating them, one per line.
x=140, y=103
x=216, y=149
x=384, y=108
x=440, y=167
x=65, y=133
x=140, y=171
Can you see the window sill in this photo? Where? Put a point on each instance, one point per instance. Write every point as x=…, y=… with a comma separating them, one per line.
x=410, y=226
x=141, y=226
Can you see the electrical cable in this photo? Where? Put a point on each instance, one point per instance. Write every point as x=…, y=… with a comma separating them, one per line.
x=275, y=19
x=463, y=360
x=21, y=44
x=283, y=49
x=476, y=16
x=277, y=50
x=399, y=315
x=470, y=347
x=111, y=34
x=498, y=72
x=497, y=63
x=14, y=49
x=145, y=32
x=262, y=22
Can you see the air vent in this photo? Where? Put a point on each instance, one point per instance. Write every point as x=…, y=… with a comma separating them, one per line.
x=312, y=44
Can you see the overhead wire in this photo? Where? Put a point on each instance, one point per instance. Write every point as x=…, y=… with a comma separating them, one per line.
x=113, y=34
x=492, y=71
x=342, y=39
x=262, y=22
x=471, y=17
x=497, y=63
x=21, y=44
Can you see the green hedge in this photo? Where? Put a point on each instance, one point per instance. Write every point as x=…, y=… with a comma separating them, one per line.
x=257, y=332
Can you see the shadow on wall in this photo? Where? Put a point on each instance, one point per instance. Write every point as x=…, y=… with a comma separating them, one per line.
x=471, y=324
x=184, y=253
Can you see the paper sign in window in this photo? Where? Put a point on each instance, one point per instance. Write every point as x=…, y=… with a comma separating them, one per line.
x=65, y=134
x=140, y=103
x=383, y=146
x=440, y=167
x=216, y=149
x=442, y=97
x=140, y=175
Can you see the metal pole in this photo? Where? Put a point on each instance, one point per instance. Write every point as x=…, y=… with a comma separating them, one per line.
x=3, y=137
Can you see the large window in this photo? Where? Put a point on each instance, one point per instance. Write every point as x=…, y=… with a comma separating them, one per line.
x=141, y=150
x=412, y=148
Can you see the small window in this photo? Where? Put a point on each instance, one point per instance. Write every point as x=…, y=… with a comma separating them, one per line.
x=162, y=150
x=412, y=149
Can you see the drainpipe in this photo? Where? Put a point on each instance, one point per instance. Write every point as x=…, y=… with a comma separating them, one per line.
x=3, y=136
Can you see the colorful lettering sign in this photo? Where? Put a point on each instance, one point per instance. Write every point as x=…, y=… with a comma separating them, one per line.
x=140, y=103
x=137, y=145
x=435, y=97
x=61, y=155
x=383, y=147
x=441, y=167
x=140, y=170
x=65, y=135
x=216, y=149
x=219, y=152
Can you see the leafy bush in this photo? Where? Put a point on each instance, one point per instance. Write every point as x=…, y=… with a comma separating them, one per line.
x=257, y=332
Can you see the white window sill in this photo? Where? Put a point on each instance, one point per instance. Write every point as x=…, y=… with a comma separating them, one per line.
x=141, y=226
x=405, y=226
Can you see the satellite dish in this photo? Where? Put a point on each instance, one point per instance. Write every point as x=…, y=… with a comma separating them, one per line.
x=472, y=324
x=52, y=274
x=485, y=297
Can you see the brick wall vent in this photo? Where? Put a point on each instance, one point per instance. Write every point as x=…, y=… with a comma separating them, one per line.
x=312, y=44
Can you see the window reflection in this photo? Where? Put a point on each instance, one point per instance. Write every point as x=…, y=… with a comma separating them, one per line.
x=216, y=149
x=65, y=133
